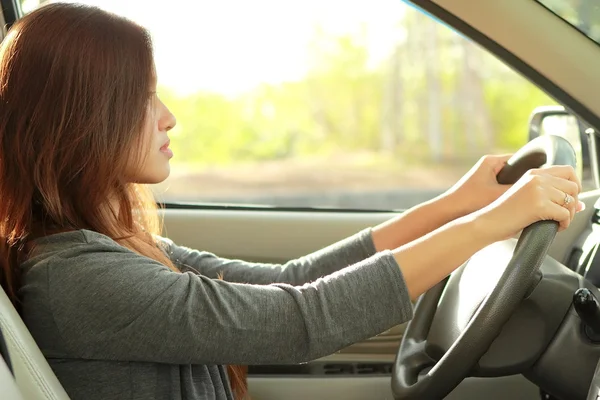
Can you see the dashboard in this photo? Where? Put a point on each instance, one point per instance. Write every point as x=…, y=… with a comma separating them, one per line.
x=585, y=255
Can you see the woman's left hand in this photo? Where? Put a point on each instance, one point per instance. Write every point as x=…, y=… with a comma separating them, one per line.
x=479, y=187
x=475, y=190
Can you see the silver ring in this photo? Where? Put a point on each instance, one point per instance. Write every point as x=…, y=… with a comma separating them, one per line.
x=568, y=199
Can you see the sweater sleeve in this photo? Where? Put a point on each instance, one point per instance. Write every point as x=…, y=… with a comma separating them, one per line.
x=109, y=303
x=295, y=272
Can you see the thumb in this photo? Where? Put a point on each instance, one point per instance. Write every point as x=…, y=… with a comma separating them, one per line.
x=499, y=162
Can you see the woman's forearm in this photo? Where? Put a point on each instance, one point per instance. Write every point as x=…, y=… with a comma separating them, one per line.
x=301, y=270
x=416, y=222
x=426, y=261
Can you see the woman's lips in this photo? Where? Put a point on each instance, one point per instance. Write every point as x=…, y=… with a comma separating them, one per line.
x=166, y=150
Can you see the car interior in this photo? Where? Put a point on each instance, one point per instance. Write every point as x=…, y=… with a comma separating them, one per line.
x=7, y=381
x=520, y=320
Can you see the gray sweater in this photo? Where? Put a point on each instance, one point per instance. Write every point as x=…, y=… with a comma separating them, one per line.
x=117, y=325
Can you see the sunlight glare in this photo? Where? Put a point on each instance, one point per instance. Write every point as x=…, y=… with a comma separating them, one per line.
x=232, y=46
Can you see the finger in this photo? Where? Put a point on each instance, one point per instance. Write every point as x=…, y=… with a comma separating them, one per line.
x=563, y=185
x=503, y=157
x=558, y=197
x=499, y=161
x=559, y=214
x=560, y=171
x=559, y=188
x=566, y=188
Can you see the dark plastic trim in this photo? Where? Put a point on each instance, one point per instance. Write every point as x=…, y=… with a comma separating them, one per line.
x=266, y=208
x=322, y=369
x=11, y=12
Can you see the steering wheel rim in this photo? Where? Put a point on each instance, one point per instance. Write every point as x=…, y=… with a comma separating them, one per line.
x=411, y=376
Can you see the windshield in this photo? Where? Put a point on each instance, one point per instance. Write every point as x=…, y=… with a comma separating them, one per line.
x=581, y=14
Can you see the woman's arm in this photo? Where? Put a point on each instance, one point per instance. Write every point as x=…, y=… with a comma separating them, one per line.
x=112, y=304
x=416, y=222
x=478, y=188
x=295, y=272
x=403, y=229
x=432, y=257
x=475, y=190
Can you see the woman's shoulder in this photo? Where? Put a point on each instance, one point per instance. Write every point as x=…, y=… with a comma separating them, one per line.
x=75, y=242
x=79, y=236
x=85, y=250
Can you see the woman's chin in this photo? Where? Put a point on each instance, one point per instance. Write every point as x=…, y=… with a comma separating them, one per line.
x=154, y=177
x=161, y=178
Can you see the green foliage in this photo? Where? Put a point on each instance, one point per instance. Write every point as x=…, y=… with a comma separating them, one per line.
x=340, y=106
x=511, y=103
x=345, y=104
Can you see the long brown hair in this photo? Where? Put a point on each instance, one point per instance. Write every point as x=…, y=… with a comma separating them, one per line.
x=75, y=82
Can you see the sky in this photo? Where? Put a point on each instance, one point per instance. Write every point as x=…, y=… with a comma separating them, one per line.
x=230, y=46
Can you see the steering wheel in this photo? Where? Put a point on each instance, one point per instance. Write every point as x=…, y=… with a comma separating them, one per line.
x=455, y=323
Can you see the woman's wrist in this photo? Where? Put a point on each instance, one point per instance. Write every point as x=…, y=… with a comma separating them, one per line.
x=416, y=222
x=427, y=260
x=456, y=204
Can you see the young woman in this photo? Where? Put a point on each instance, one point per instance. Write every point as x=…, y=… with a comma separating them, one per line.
x=120, y=312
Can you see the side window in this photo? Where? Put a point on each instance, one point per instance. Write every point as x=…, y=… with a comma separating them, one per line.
x=361, y=105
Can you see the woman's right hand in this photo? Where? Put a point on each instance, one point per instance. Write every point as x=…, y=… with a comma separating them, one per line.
x=540, y=194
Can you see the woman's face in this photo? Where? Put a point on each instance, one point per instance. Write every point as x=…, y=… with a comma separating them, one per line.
x=155, y=167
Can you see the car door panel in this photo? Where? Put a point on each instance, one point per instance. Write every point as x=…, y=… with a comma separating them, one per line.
x=379, y=388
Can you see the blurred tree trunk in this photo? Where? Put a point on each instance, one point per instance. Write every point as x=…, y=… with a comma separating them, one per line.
x=434, y=91
x=480, y=106
x=474, y=112
x=456, y=101
x=467, y=112
x=393, y=97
